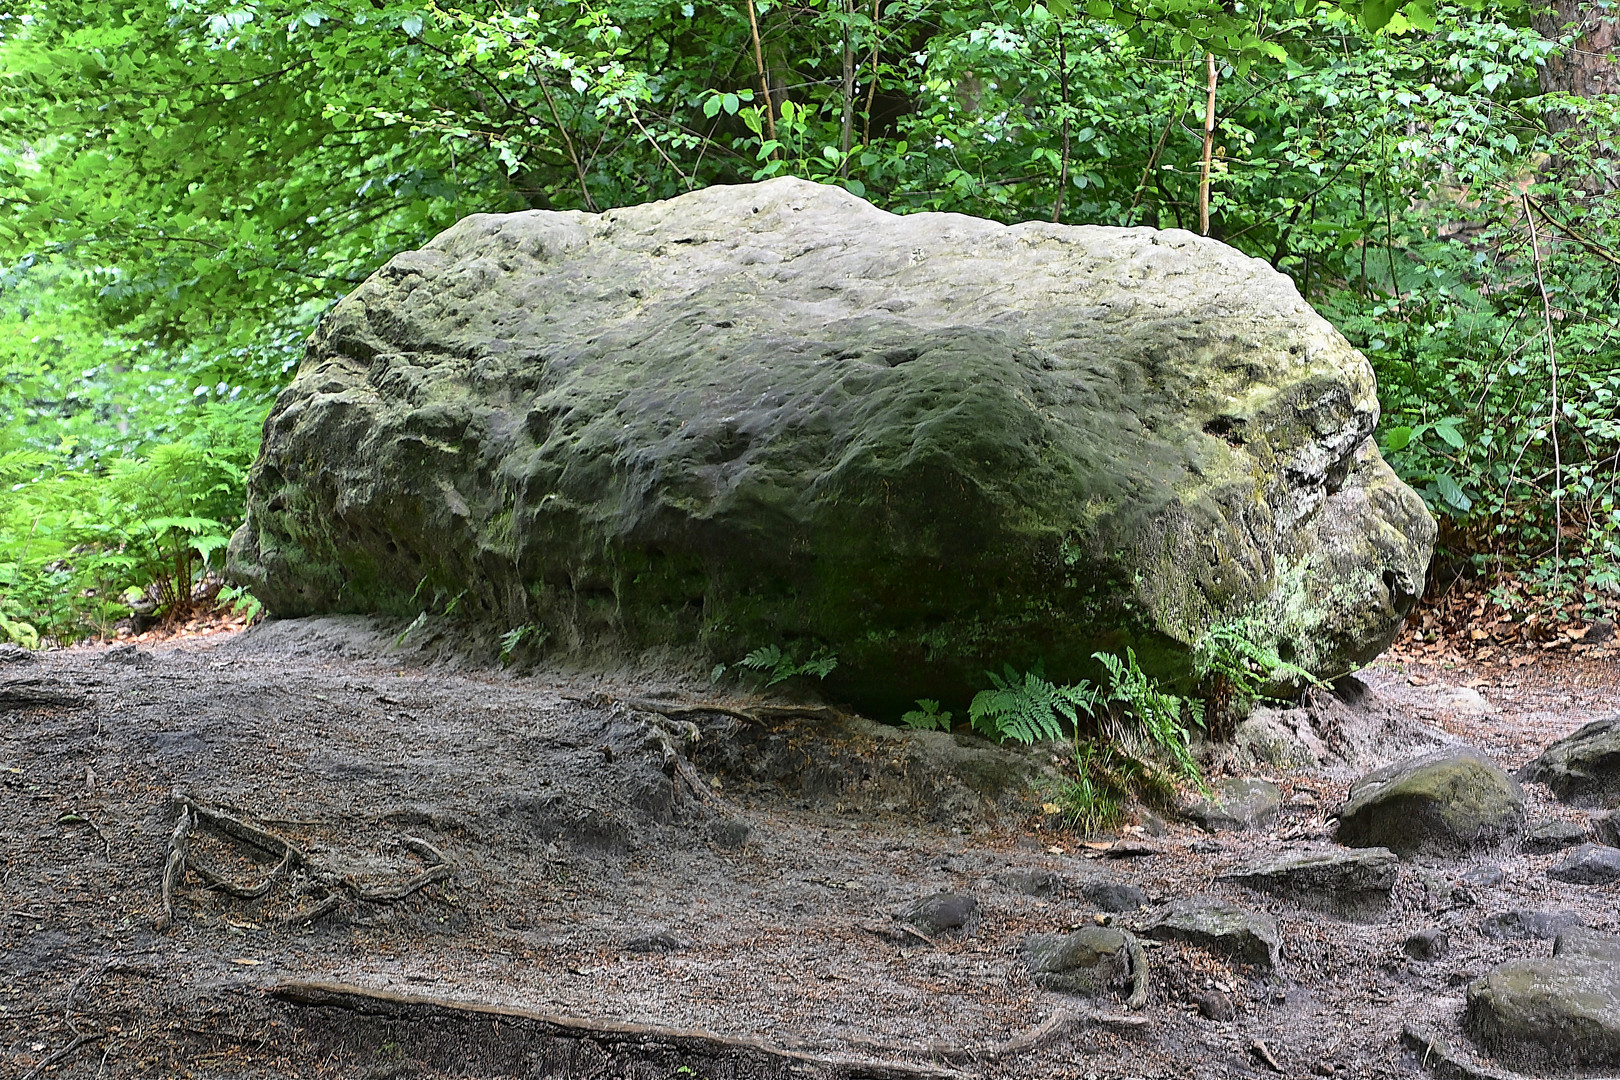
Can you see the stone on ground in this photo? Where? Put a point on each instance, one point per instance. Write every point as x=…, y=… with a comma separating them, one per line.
x=773, y=414
x=1351, y=884
x=1562, y=1010
x=1091, y=960
x=1589, y=864
x=1582, y=769
x=1606, y=827
x=1555, y=834
x=1242, y=935
x=941, y=913
x=1236, y=805
x=1527, y=925
x=1029, y=882
x=1445, y=803
x=1430, y=944
x=1113, y=896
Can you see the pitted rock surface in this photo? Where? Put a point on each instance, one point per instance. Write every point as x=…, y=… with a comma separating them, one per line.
x=1091, y=960
x=774, y=414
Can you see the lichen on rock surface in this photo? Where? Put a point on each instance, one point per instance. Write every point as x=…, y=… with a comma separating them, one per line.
x=773, y=413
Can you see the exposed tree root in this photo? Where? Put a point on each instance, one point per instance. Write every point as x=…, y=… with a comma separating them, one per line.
x=330, y=885
x=63, y=1054
x=1139, y=973
x=498, y=1040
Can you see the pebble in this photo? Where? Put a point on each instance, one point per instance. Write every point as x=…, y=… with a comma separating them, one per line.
x=1552, y=835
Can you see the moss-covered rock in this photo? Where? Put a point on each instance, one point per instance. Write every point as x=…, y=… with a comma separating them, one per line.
x=1444, y=803
x=1561, y=1010
x=773, y=414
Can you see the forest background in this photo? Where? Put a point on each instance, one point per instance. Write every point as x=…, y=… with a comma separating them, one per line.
x=188, y=186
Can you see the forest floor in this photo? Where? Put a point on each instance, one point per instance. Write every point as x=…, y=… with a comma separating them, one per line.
x=617, y=892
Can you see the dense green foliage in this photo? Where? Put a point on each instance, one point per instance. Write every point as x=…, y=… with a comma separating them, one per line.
x=187, y=187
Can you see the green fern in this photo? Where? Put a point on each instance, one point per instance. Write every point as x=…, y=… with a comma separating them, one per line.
x=927, y=717
x=1158, y=715
x=1028, y=708
x=779, y=666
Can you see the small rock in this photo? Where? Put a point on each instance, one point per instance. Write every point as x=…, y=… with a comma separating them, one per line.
x=1429, y=944
x=1606, y=827
x=1091, y=960
x=660, y=941
x=1214, y=1005
x=1527, y=925
x=11, y=653
x=1554, y=834
x=1205, y=847
x=940, y=913
x=1589, y=864
x=1236, y=805
x=1113, y=896
x=1029, y=882
x=1600, y=631
x=1560, y=1010
x=126, y=655
x=1582, y=769
x=1484, y=876
x=1242, y=935
x=1131, y=849
x=1347, y=884
x=1152, y=823
x=729, y=834
x=1443, y=803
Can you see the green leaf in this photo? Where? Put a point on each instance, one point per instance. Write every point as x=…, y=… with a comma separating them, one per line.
x=1375, y=14
x=1396, y=439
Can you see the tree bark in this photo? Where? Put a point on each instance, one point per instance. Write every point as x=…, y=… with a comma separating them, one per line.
x=1587, y=68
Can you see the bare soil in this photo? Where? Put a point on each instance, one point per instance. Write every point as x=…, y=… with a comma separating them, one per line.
x=640, y=888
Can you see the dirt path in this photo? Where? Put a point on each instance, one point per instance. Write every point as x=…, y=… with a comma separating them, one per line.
x=594, y=877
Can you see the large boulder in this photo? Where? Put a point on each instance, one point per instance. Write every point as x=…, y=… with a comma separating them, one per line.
x=1582, y=769
x=775, y=415
x=1445, y=803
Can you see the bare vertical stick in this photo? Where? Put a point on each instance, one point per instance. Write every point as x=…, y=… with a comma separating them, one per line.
x=1209, y=149
x=871, y=88
x=849, y=89
x=1063, y=90
x=1552, y=365
x=759, y=66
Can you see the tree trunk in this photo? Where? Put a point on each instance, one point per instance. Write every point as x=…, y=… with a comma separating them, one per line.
x=1590, y=66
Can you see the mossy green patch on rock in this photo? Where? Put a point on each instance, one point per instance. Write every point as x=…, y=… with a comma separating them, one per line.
x=773, y=414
